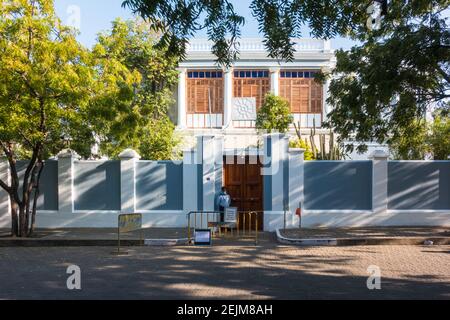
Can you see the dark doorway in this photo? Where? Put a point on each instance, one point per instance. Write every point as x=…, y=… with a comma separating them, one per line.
x=244, y=183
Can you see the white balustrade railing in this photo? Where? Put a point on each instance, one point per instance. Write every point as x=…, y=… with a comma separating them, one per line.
x=256, y=45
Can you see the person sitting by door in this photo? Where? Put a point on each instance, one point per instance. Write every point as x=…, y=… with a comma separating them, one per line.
x=223, y=202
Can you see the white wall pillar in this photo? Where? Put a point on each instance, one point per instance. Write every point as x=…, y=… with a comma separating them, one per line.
x=227, y=97
x=206, y=154
x=190, y=187
x=296, y=185
x=5, y=213
x=275, y=81
x=379, y=181
x=66, y=177
x=128, y=160
x=275, y=155
x=182, y=98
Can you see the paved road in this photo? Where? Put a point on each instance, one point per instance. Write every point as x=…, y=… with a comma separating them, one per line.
x=268, y=271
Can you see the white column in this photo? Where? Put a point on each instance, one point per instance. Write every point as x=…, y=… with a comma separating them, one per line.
x=190, y=176
x=182, y=98
x=326, y=45
x=275, y=155
x=5, y=213
x=205, y=150
x=379, y=181
x=66, y=177
x=128, y=160
x=227, y=97
x=275, y=81
x=296, y=184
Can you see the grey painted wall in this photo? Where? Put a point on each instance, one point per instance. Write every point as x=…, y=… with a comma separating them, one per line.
x=48, y=198
x=159, y=185
x=419, y=185
x=97, y=185
x=334, y=185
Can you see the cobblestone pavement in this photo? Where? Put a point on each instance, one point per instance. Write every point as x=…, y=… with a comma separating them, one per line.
x=221, y=272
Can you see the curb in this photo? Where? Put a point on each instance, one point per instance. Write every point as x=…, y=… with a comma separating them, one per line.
x=362, y=241
x=166, y=242
x=306, y=242
x=89, y=243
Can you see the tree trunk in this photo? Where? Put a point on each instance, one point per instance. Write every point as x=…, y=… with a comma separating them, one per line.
x=14, y=218
x=35, y=199
x=22, y=230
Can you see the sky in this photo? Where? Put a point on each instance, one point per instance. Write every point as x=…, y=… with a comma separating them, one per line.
x=94, y=16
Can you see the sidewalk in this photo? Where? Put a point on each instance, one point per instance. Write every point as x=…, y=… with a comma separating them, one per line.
x=365, y=236
x=178, y=236
x=75, y=237
x=91, y=237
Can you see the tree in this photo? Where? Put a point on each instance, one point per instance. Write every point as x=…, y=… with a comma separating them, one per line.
x=45, y=81
x=439, y=139
x=411, y=143
x=425, y=139
x=279, y=21
x=137, y=80
x=378, y=88
x=274, y=115
x=383, y=87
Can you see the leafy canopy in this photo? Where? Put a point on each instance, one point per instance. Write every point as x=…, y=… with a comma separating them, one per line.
x=136, y=81
x=45, y=78
x=278, y=20
x=381, y=89
x=424, y=140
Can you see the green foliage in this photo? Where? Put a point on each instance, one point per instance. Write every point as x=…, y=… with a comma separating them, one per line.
x=382, y=87
x=439, y=139
x=44, y=75
x=411, y=143
x=274, y=115
x=178, y=20
x=279, y=21
x=136, y=79
x=424, y=139
x=302, y=144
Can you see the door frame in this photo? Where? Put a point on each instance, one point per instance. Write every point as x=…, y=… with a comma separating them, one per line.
x=247, y=155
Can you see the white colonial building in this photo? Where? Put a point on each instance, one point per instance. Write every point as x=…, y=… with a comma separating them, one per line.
x=212, y=100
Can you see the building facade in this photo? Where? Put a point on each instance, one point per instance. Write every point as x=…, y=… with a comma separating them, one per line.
x=212, y=100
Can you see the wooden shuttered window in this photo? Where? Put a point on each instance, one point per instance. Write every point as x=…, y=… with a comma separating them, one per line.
x=251, y=87
x=304, y=95
x=204, y=95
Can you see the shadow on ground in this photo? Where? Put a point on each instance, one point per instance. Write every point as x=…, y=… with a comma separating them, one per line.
x=268, y=271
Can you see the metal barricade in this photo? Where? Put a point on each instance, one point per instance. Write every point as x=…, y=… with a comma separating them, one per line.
x=247, y=224
x=196, y=220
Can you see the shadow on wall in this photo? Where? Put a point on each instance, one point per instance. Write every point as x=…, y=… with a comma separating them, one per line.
x=338, y=185
x=419, y=185
x=48, y=198
x=97, y=185
x=159, y=185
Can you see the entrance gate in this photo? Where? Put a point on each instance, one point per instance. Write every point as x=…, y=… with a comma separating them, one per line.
x=244, y=183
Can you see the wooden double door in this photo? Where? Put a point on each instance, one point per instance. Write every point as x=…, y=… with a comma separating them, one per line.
x=244, y=183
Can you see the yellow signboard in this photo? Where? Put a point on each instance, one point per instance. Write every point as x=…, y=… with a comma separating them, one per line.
x=130, y=222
